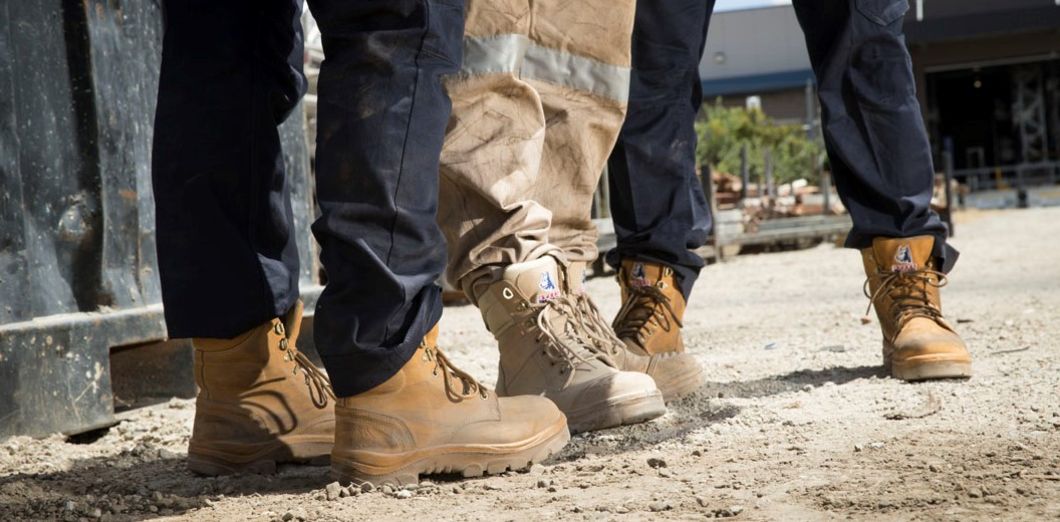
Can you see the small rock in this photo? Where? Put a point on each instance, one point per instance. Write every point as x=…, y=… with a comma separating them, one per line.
x=287, y=517
x=934, y=469
x=697, y=453
x=404, y=493
x=552, y=489
x=70, y=505
x=456, y=490
x=807, y=388
x=542, y=484
x=331, y=491
x=94, y=513
x=386, y=490
x=656, y=507
x=859, y=447
x=701, y=501
x=730, y=511
x=491, y=487
x=367, y=487
x=975, y=493
x=875, y=445
x=656, y=463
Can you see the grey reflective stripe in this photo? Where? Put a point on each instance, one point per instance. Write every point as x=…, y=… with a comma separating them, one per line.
x=494, y=54
x=513, y=53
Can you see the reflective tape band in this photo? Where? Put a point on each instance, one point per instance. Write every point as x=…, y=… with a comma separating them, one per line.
x=516, y=54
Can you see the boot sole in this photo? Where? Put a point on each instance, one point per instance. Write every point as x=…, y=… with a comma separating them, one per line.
x=676, y=386
x=929, y=368
x=632, y=408
x=397, y=469
x=212, y=462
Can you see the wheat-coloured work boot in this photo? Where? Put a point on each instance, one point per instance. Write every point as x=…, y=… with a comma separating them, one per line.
x=260, y=403
x=676, y=373
x=431, y=417
x=903, y=283
x=544, y=350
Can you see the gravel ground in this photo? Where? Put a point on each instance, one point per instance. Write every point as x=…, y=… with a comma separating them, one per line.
x=796, y=423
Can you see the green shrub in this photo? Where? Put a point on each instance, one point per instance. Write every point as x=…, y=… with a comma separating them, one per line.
x=722, y=131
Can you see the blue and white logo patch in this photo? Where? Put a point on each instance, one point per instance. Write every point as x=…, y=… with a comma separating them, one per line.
x=548, y=288
x=903, y=258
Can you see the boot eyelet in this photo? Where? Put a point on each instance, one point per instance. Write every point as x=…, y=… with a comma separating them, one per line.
x=278, y=328
x=507, y=293
x=283, y=344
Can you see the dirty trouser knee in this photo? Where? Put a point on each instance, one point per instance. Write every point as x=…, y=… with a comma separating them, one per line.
x=873, y=129
x=231, y=71
x=657, y=202
x=536, y=108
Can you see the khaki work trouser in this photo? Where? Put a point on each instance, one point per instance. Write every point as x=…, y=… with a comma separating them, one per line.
x=537, y=107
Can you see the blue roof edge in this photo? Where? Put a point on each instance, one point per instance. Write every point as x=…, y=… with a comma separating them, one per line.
x=756, y=83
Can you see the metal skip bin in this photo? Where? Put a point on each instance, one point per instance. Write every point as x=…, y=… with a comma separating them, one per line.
x=78, y=272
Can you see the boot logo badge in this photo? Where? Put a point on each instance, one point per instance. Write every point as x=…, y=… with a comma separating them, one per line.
x=547, y=287
x=638, y=277
x=903, y=260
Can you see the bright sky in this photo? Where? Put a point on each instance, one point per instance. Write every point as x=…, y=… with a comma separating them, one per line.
x=729, y=5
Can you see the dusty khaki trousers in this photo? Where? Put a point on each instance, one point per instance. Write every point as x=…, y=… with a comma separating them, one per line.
x=537, y=107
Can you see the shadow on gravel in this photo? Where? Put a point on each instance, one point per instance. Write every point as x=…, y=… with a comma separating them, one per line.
x=137, y=488
x=789, y=382
x=702, y=409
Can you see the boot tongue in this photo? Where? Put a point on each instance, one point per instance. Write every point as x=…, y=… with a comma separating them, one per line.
x=537, y=281
x=907, y=254
x=292, y=322
x=639, y=273
x=576, y=278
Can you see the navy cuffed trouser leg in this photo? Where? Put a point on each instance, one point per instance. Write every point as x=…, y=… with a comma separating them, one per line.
x=657, y=202
x=382, y=117
x=873, y=129
x=231, y=73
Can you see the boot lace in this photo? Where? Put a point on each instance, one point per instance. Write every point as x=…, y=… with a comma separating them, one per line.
x=596, y=327
x=646, y=309
x=316, y=380
x=561, y=343
x=442, y=364
x=908, y=292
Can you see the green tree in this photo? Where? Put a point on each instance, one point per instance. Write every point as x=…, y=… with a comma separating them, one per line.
x=722, y=131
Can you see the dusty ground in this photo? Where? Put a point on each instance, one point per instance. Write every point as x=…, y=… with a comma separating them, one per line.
x=797, y=423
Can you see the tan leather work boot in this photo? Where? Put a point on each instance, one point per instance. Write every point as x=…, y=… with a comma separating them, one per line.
x=649, y=327
x=676, y=373
x=544, y=350
x=903, y=284
x=260, y=403
x=431, y=417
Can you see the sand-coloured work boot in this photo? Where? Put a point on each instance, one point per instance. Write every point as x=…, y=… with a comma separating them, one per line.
x=430, y=417
x=903, y=284
x=648, y=328
x=261, y=402
x=544, y=350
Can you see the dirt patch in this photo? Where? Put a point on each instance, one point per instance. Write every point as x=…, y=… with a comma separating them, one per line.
x=797, y=421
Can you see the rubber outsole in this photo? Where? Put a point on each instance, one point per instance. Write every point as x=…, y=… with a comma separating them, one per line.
x=359, y=467
x=931, y=370
x=621, y=411
x=261, y=462
x=928, y=367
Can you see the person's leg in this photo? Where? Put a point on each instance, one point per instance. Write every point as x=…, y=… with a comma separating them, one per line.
x=585, y=114
x=657, y=204
x=231, y=73
x=540, y=97
x=881, y=160
x=403, y=409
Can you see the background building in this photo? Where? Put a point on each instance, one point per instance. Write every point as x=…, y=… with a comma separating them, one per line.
x=987, y=72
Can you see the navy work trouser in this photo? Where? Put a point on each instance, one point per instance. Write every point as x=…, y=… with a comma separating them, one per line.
x=873, y=130
x=231, y=73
